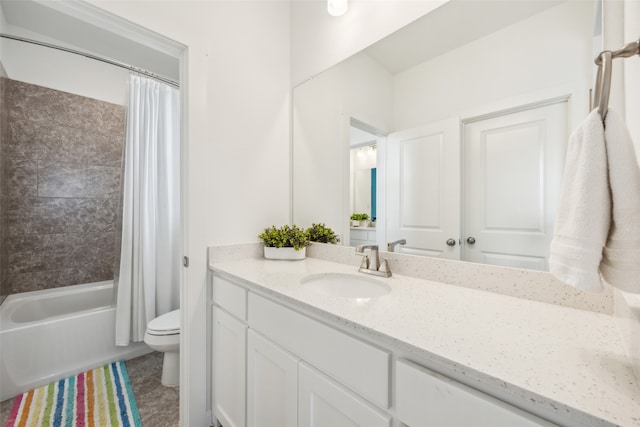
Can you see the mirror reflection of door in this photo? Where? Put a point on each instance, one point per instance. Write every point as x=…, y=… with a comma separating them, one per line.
x=363, y=185
x=513, y=171
x=423, y=187
x=511, y=174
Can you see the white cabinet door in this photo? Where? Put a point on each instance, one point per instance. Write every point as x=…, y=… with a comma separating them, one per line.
x=322, y=402
x=423, y=187
x=513, y=172
x=272, y=384
x=229, y=369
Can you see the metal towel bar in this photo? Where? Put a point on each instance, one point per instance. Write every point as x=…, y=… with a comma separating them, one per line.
x=603, y=78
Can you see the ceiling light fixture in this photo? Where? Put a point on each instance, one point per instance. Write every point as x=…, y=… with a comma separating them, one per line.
x=337, y=7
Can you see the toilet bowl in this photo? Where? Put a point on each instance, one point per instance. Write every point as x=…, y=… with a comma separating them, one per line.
x=163, y=334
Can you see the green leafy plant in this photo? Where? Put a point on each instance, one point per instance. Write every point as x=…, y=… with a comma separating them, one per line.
x=321, y=233
x=285, y=237
x=359, y=217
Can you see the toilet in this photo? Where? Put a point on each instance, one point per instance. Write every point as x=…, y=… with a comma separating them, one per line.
x=163, y=334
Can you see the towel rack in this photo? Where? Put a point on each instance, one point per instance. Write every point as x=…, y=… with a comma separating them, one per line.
x=603, y=78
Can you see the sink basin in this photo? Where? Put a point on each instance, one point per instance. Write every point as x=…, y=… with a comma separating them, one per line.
x=345, y=285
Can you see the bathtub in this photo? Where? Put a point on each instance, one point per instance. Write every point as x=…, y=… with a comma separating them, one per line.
x=51, y=334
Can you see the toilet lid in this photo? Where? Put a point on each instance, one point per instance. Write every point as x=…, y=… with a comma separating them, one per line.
x=167, y=324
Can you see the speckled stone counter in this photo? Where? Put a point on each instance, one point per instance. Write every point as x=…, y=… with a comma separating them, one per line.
x=552, y=359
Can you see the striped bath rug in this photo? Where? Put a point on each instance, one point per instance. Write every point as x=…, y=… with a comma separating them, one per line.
x=101, y=397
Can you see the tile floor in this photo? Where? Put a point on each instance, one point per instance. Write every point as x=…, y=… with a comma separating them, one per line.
x=158, y=405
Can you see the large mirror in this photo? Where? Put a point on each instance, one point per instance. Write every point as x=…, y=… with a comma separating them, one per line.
x=467, y=111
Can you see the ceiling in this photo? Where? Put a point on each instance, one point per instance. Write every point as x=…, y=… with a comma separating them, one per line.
x=425, y=38
x=432, y=35
x=78, y=25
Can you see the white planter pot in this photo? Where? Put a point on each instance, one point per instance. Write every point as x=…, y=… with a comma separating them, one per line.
x=285, y=253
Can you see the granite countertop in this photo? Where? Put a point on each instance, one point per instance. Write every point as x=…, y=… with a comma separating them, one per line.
x=550, y=358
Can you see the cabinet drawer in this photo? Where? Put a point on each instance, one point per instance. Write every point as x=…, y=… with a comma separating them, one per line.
x=231, y=297
x=356, y=364
x=425, y=398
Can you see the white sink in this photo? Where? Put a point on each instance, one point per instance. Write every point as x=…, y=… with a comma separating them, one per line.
x=345, y=285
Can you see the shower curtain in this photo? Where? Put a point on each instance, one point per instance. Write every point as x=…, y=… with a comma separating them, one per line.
x=148, y=281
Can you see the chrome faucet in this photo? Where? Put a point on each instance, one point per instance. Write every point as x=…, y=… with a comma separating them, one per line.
x=391, y=246
x=372, y=265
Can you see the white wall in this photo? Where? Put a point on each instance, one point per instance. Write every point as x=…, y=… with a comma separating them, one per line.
x=237, y=165
x=63, y=71
x=358, y=87
x=500, y=66
x=319, y=41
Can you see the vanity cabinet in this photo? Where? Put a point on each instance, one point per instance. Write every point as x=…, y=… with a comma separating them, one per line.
x=276, y=366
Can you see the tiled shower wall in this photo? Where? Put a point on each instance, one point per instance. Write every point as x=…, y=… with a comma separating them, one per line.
x=63, y=164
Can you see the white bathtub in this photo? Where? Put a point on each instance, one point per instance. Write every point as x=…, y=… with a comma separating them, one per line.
x=55, y=333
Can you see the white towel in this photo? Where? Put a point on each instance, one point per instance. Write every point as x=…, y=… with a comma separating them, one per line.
x=621, y=257
x=598, y=223
x=584, y=210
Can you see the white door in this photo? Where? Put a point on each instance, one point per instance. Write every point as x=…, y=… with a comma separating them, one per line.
x=322, y=402
x=229, y=369
x=423, y=189
x=512, y=171
x=272, y=384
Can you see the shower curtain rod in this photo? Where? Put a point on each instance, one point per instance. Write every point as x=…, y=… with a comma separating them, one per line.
x=97, y=58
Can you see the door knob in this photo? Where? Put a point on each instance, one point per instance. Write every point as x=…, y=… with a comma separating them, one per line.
x=471, y=240
x=451, y=242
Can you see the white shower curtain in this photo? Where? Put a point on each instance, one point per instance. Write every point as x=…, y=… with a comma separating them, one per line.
x=148, y=281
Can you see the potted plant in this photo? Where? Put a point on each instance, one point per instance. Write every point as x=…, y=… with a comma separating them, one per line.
x=359, y=219
x=322, y=234
x=286, y=242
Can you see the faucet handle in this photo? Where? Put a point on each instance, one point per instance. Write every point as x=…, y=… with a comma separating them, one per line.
x=384, y=268
x=365, y=261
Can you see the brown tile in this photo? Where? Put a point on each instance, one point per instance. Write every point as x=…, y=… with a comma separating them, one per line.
x=55, y=215
x=105, y=149
x=60, y=228
x=42, y=104
x=37, y=103
x=60, y=143
x=63, y=144
x=106, y=215
x=77, y=180
x=24, y=138
x=26, y=282
x=99, y=115
x=22, y=177
x=47, y=252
